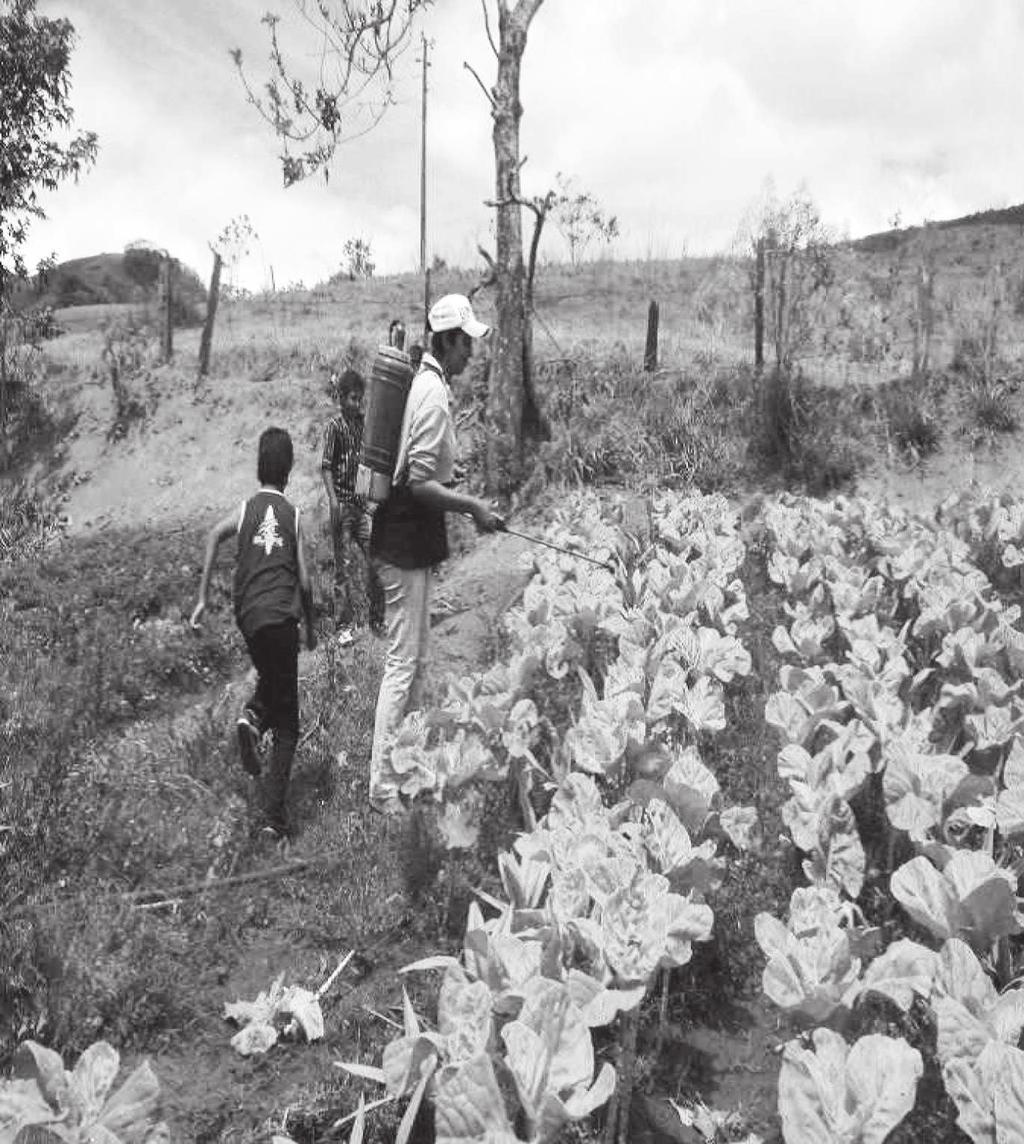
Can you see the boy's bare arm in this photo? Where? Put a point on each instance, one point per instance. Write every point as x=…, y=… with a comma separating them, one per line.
x=332, y=496
x=305, y=588
x=227, y=526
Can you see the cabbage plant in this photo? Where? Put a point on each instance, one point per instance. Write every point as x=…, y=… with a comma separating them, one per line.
x=44, y=1102
x=834, y=1093
x=970, y=898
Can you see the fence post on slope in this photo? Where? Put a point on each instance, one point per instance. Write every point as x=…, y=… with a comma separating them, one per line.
x=166, y=307
x=212, y=299
x=759, y=306
x=651, y=349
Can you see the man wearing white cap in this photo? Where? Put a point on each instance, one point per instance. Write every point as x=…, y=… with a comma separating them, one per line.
x=409, y=532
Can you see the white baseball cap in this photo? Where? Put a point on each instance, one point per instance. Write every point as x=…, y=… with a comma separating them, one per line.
x=453, y=312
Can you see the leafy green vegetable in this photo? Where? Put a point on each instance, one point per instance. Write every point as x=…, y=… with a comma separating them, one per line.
x=971, y=898
x=837, y=1094
x=44, y=1101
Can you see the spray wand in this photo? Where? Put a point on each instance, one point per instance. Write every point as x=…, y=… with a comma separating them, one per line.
x=503, y=527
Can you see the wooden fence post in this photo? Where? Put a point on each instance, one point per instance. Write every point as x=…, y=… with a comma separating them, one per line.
x=651, y=349
x=759, y=306
x=211, y=313
x=166, y=309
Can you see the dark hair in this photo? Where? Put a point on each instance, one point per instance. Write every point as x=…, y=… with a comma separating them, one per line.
x=275, y=457
x=351, y=381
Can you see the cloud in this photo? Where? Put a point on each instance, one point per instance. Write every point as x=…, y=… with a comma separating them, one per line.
x=672, y=115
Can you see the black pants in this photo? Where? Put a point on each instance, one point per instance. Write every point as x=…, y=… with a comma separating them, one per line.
x=275, y=703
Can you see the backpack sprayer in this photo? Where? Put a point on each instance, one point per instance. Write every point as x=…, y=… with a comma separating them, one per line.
x=390, y=379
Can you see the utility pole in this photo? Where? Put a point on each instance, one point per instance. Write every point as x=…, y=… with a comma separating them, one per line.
x=423, y=162
x=423, y=187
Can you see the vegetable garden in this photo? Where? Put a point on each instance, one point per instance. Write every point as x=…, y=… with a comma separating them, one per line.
x=895, y=712
x=897, y=708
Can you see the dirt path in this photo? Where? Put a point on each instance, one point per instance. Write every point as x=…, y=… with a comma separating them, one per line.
x=302, y=925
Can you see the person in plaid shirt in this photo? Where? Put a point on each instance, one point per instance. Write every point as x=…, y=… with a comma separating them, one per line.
x=350, y=520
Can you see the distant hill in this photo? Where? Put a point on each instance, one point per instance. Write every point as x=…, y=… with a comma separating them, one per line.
x=887, y=240
x=103, y=279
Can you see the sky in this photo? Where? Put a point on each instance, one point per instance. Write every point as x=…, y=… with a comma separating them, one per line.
x=672, y=114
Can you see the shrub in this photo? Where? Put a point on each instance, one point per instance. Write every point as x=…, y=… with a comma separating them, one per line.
x=807, y=432
x=991, y=410
x=612, y=422
x=913, y=429
x=28, y=525
x=911, y=410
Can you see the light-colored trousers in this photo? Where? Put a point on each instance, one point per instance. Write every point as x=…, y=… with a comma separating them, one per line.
x=407, y=604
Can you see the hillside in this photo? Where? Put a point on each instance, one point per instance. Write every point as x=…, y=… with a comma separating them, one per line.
x=107, y=279
x=996, y=222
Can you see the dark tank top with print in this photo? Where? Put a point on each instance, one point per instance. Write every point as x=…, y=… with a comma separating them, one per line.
x=266, y=585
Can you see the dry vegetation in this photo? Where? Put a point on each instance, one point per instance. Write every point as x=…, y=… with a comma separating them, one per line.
x=117, y=781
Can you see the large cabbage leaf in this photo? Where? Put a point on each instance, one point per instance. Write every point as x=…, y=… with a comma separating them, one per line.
x=464, y=1016
x=469, y=1106
x=904, y=971
x=970, y=1013
x=644, y=926
x=838, y=859
x=551, y=1058
x=672, y=853
x=832, y=1094
x=44, y=1101
x=989, y=1094
x=1010, y=800
x=808, y=973
x=916, y=787
x=971, y=898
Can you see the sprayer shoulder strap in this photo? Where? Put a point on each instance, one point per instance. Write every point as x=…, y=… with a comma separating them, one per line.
x=407, y=420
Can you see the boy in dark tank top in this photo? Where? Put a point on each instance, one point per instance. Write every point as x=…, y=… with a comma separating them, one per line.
x=271, y=594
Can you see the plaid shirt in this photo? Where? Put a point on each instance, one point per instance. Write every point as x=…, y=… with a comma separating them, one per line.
x=342, y=443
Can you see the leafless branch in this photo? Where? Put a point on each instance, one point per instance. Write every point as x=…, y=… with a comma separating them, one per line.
x=487, y=27
x=483, y=86
x=540, y=205
x=488, y=278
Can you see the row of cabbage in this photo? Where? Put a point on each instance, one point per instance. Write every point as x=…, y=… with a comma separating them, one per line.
x=900, y=713
x=603, y=892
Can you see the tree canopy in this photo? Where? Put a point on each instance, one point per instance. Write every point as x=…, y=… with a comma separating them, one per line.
x=37, y=151
x=313, y=110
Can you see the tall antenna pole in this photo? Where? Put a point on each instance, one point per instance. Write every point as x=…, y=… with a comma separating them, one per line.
x=423, y=163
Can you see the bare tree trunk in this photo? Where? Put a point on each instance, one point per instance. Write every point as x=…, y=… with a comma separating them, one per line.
x=505, y=396
x=759, y=306
x=4, y=445
x=535, y=428
x=781, y=314
x=212, y=298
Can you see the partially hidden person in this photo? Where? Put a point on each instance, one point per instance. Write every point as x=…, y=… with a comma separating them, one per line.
x=409, y=538
x=271, y=594
x=350, y=517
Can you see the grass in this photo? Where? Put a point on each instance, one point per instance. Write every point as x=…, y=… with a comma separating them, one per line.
x=117, y=764
x=118, y=773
